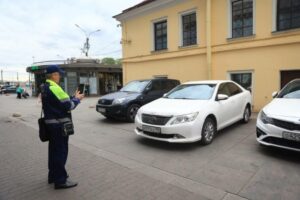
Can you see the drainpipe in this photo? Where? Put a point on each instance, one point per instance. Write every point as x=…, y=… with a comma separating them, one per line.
x=124, y=36
x=208, y=39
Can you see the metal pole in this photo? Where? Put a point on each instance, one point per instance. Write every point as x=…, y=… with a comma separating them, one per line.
x=87, y=47
x=87, y=43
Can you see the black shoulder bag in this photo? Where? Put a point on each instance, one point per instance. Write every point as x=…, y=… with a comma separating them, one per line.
x=68, y=128
x=43, y=133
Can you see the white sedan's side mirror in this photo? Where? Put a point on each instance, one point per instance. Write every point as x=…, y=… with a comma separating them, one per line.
x=222, y=97
x=274, y=94
x=165, y=95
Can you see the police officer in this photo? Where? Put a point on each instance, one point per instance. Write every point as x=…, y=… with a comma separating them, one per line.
x=57, y=106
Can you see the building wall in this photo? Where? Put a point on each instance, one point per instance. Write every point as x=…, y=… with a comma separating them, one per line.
x=265, y=63
x=183, y=68
x=264, y=54
x=139, y=30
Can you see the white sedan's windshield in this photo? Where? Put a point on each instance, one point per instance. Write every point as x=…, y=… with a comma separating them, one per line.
x=192, y=91
x=291, y=91
x=135, y=86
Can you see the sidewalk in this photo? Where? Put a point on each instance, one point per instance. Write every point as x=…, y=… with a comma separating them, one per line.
x=110, y=162
x=23, y=173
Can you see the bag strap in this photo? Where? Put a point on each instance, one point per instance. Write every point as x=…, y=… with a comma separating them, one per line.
x=42, y=112
x=42, y=92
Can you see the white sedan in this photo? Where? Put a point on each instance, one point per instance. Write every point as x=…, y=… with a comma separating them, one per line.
x=194, y=111
x=278, y=124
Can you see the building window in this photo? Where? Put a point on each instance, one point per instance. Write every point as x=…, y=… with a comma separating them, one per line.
x=244, y=79
x=189, y=29
x=288, y=14
x=160, y=35
x=242, y=18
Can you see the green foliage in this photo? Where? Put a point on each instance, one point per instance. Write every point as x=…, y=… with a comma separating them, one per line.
x=119, y=61
x=108, y=61
x=111, y=61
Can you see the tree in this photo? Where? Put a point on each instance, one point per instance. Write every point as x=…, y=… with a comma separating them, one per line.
x=119, y=61
x=108, y=61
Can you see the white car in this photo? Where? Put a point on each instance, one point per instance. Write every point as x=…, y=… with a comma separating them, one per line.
x=194, y=111
x=278, y=124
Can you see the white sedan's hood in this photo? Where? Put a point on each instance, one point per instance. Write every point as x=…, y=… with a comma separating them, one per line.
x=169, y=107
x=280, y=107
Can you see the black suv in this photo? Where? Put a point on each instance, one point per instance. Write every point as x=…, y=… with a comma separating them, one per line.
x=125, y=103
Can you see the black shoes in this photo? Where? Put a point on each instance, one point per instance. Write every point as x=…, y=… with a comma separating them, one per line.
x=50, y=181
x=66, y=185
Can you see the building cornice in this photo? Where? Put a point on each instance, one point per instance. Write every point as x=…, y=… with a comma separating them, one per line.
x=226, y=47
x=145, y=9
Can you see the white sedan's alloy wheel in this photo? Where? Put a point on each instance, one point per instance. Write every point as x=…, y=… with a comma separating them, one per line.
x=208, y=131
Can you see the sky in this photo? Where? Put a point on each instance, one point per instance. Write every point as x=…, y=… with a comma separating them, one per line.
x=39, y=30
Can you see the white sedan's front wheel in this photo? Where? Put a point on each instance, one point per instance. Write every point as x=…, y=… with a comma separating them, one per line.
x=209, y=130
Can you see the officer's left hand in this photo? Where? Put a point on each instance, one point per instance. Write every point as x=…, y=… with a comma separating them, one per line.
x=78, y=95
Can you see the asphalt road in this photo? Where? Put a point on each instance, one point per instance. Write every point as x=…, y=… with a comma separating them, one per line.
x=233, y=167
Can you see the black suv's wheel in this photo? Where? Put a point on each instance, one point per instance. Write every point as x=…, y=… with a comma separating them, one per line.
x=246, y=115
x=209, y=131
x=132, y=111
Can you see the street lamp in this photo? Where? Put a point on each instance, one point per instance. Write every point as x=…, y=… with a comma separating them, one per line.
x=86, y=45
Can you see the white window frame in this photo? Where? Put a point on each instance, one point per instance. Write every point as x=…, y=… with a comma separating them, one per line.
x=160, y=76
x=180, y=15
x=229, y=73
x=229, y=3
x=274, y=15
x=152, y=31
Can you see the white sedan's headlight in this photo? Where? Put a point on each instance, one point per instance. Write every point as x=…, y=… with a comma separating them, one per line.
x=265, y=119
x=118, y=101
x=184, y=118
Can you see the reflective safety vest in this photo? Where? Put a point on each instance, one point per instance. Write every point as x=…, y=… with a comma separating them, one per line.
x=57, y=104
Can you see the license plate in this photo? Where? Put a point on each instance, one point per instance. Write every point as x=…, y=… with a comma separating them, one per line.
x=291, y=136
x=102, y=110
x=151, y=129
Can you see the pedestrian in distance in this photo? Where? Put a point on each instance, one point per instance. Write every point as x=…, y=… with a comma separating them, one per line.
x=87, y=89
x=57, y=106
x=19, y=91
x=25, y=94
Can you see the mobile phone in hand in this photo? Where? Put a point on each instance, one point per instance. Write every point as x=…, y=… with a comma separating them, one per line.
x=81, y=88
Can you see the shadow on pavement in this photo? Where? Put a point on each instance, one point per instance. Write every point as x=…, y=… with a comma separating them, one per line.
x=169, y=146
x=237, y=125
x=280, y=154
x=113, y=121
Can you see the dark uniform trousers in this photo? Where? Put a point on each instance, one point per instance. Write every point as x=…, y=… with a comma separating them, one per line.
x=58, y=154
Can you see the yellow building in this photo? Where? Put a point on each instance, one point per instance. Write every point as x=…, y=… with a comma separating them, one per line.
x=253, y=42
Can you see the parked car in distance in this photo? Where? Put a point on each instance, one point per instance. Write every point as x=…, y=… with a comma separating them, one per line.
x=8, y=89
x=194, y=111
x=278, y=123
x=125, y=103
